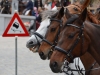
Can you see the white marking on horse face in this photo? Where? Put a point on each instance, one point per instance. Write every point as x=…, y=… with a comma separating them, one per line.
x=41, y=30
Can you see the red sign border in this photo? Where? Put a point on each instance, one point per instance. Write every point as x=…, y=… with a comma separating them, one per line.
x=10, y=24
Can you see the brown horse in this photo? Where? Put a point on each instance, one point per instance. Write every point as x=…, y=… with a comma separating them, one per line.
x=45, y=48
x=72, y=43
x=87, y=66
x=77, y=8
x=57, y=25
x=46, y=51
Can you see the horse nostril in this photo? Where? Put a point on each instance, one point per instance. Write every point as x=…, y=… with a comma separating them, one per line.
x=31, y=42
x=55, y=65
x=41, y=54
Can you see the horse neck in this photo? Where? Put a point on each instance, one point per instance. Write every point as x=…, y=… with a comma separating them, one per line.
x=88, y=62
x=92, y=18
x=92, y=34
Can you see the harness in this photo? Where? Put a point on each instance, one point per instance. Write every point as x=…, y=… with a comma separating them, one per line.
x=69, y=55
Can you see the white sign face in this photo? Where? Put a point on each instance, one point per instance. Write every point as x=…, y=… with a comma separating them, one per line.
x=16, y=28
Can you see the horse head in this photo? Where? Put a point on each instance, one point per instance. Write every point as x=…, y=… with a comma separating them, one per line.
x=34, y=41
x=78, y=7
x=51, y=35
x=70, y=43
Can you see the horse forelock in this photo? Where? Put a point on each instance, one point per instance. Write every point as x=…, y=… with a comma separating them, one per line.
x=71, y=20
x=48, y=13
x=43, y=26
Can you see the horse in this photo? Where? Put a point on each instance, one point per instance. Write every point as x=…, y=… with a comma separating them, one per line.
x=42, y=54
x=77, y=8
x=6, y=7
x=34, y=41
x=45, y=48
x=46, y=27
x=72, y=43
x=74, y=9
x=31, y=43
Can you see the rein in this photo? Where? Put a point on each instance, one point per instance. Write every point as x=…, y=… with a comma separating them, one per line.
x=77, y=69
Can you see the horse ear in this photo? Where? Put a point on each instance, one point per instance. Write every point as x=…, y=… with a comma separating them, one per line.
x=83, y=15
x=61, y=12
x=67, y=14
x=85, y=4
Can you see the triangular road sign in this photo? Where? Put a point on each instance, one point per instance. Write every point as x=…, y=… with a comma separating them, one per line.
x=15, y=27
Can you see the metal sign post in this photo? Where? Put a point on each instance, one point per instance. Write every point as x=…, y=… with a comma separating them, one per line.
x=16, y=37
x=15, y=28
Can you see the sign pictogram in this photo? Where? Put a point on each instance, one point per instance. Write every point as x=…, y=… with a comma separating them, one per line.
x=15, y=28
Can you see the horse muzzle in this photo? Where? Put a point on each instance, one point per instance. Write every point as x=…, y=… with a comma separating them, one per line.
x=55, y=67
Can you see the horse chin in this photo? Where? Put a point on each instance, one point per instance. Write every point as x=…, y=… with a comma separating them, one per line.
x=34, y=49
x=43, y=57
x=56, y=69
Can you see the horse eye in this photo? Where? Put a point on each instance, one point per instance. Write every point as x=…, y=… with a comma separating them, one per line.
x=71, y=36
x=53, y=29
x=75, y=9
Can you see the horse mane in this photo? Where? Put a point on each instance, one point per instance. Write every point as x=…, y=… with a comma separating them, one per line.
x=48, y=13
x=92, y=17
x=96, y=25
x=97, y=14
x=71, y=20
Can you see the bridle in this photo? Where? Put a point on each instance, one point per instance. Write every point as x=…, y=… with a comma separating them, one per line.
x=56, y=38
x=69, y=55
x=68, y=52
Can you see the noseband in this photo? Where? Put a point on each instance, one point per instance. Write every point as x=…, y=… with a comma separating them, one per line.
x=68, y=52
